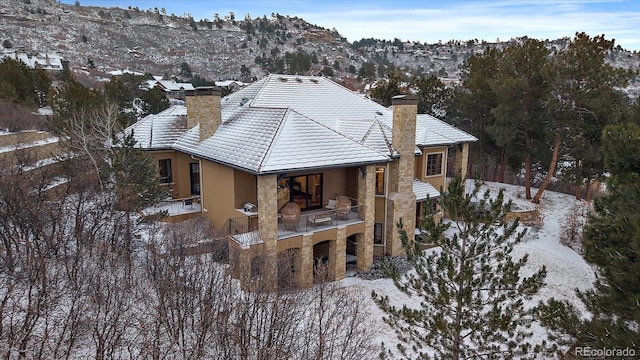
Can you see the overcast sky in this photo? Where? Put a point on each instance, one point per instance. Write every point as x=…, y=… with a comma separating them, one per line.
x=430, y=21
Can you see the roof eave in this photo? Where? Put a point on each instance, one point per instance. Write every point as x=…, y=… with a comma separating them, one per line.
x=337, y=166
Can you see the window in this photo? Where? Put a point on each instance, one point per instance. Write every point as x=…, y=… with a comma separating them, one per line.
x=434, y=206
x=377, y=233
x=379, y=180
x=194, y=173
x=304, y=190
x=165, y=170
x=434, y=164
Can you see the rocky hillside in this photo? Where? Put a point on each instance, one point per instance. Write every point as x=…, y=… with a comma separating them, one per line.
x=150, y=40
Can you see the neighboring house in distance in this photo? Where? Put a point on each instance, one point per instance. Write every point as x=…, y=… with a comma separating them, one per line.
x=37, y=61
x=350, y=166
x=172, y=89
x=232, y=85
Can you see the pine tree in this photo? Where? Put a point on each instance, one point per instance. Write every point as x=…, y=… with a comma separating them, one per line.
x=433, y=95
x=521, y=91
x=583, y=99
x=612, y=242
x=474, y=102
x=133, y=176
x=472, y=297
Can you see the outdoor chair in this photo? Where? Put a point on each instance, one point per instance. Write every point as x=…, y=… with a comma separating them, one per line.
x=343, y=207
x=290, y=216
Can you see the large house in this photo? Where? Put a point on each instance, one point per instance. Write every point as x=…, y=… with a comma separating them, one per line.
x=302, y=166
x=171, y=88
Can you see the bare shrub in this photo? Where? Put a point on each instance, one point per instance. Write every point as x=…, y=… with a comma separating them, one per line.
x=72, y=287
x=572, y=225
x=15, y=117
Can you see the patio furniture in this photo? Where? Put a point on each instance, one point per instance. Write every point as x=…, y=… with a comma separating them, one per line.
x=290, y=216
x=319, y=218
x=343, y=207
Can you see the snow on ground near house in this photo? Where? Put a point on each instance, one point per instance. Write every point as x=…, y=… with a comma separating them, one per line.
x=566, y=270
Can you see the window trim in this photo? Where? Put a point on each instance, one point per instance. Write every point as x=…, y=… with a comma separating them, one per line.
x=165, y=179
x=442, y=162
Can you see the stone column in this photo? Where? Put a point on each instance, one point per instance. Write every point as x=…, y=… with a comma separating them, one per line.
x=338, y=255
x=304, y=262
x=366, y=212
x=268, y=223
x=462, y=159
x=401, y=199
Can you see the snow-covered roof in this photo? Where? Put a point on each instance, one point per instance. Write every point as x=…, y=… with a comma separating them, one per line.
x=227, y=83
x=283, y=123
x=431, y=131
x=424, y=191
x=168, y=85
x=42, y=61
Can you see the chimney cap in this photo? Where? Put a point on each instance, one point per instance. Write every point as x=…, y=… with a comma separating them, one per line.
x=204, y=90
x=404, y=99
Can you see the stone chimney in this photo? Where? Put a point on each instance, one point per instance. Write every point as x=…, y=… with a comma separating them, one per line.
x=204, y=108
x=401, y=201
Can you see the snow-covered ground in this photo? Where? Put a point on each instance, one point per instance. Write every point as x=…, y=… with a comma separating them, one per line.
x=566, y=269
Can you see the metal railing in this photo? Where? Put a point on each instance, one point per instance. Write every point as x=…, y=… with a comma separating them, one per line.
x=308, y=222
x=319, y=220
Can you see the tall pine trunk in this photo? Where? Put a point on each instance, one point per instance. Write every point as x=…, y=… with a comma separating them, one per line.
x=552, y=170
x=527, y=176
x=503, y=165
x=527, y=166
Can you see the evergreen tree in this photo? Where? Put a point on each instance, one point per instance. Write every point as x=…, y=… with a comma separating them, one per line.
x=433, y=95
x=117, y=92
x=521, y=93
x=612, y=233
x=185, y=70
x=367, y=71
x=21, y=84
x=583, y=99
x=470, y=289
x=133, y=178
x=72, y=97
x=612, y=242
x=384, y=91
x=473, y=105
x=153, y=101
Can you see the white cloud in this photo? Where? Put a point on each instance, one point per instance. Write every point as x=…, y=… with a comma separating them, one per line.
x=483, y=20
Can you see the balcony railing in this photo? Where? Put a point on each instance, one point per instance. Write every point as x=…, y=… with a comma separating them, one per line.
x=245, y=230
x=319, y=220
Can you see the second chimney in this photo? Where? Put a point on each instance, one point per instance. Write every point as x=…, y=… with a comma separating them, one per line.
x=204, y=108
